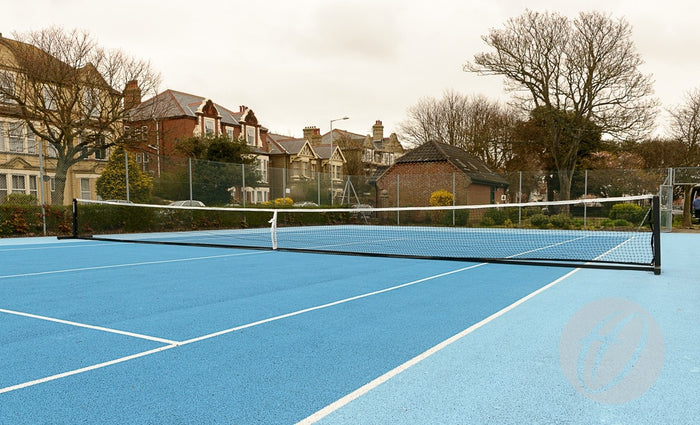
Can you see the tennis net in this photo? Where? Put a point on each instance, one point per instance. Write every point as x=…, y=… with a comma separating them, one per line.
x=605, y=232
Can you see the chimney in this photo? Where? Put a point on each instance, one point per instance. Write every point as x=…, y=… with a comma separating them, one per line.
x=132, y=95
x=316, y=137
x=308, y=132
x=377, y=131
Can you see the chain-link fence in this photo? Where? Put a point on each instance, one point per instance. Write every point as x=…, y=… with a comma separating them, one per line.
x=258, y=184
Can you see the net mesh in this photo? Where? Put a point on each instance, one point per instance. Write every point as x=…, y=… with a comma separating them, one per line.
x=593, y=231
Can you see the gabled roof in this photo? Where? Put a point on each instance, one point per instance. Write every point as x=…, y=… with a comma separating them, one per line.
x=440, y=152
x=172, y=104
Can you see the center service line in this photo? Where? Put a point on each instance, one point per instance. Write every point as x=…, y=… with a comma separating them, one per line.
x=174, y=344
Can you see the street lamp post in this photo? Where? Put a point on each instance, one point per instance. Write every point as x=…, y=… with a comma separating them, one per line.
x=330, y=156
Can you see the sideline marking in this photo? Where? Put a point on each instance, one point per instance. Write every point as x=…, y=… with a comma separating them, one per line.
x=84, y=325
x=226, y=331
x=412, y=362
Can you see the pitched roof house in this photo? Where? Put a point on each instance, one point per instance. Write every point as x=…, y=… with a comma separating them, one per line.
x=20, y=166
x=162, y=120
x=434, y=166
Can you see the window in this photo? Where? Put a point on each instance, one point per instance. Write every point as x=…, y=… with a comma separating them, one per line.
x=91, y=103
x=209, y=128
x=85, y=188
x=229, y=132
x=33, y=186
x=262, y=165
x=7, y=86
x=31, y=142
x=101, y=153
x=3, y=187
x=16, y=142
x=49, y=98
x=51, y=151
x=3, y=136
x=52, y=183
x=19, y=184
x=250, y=132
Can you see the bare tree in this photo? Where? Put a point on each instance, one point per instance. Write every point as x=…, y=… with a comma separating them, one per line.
x=685, y=127
x=66, y=89
x=585, y=69
x=476, y=124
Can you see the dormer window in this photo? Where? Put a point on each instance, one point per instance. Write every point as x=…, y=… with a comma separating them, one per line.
x=250, y=136
x=209, y=126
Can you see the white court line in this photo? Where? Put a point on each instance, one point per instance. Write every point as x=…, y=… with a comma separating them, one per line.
x=331, y=304
x=226, y=331
x=60, y=246
x=84, y=325
x=144, y=263
x=85, y=369
x=412, y=362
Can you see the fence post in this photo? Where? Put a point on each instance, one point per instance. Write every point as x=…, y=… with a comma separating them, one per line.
x=454, y=197
x=41, y=185
x=189, y=172
x=126, y=172
x=520, y=197
x=398, y=196
x=585, y=196
x=245, y=193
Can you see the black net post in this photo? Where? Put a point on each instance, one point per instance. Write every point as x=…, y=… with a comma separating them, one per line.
x=656, y=237
x=75, y=218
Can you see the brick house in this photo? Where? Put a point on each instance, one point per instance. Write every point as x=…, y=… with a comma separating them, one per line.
x=298, y=165
x=161, y=121
x=434, y=166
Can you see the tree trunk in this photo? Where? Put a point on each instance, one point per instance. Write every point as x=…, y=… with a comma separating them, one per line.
x=57, y=196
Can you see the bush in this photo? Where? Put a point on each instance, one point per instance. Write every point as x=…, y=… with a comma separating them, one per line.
x=441, y=198
x=540, y=221
x=560, y=221
x=630, y=212
x=283, y=202
x=497, y=216
x=20, y=199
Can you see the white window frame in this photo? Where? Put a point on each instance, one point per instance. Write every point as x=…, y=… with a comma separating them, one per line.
x=15, y=139
x=85, y=193
x=34, y=186
x=209, y=122
x=16, y=178
x=250, y=136
x=4, y=191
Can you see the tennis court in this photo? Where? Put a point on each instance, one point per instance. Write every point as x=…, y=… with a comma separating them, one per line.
x=105, y=332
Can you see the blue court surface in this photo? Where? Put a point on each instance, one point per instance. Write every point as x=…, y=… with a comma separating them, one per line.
x=98, y=332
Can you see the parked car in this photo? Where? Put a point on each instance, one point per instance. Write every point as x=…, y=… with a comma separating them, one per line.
x=305, y=204
x=187, y=203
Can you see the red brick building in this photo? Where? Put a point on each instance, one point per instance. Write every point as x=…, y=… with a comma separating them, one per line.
x=434, y=166
x=159, y=122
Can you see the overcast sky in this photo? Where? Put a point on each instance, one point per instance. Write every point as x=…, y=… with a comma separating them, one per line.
x=300, y=63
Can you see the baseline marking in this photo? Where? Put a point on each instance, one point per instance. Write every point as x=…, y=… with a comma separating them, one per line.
x=85, y=369
x=115, y=266
x=84, y=325
x=412, y=362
